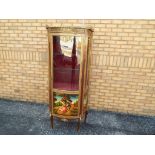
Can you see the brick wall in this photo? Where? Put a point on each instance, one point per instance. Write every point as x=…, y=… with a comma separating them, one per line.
x=122, y=70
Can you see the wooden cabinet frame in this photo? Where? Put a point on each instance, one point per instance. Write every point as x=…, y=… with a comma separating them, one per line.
x=85, y=57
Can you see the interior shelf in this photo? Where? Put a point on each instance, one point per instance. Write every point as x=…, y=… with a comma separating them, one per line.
x=76, y=92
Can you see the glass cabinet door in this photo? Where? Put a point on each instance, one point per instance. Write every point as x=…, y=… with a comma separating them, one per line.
x=66, y=62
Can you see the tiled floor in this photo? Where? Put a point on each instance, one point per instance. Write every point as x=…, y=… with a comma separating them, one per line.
x=20, y=118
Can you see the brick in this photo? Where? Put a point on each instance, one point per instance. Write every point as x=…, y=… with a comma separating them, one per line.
x=148, y=26
x=123, y=26
x=151, y=22
x=129, y=22
x=111, y=25
x=123, y=34
x=129, y=30
x=136, y=26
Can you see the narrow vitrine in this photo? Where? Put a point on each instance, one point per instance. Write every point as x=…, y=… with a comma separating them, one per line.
x=69, y=69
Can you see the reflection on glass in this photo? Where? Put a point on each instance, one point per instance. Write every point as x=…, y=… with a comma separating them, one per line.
x=66, y=64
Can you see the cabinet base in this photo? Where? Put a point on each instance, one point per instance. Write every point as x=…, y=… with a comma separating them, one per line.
x=79, y=120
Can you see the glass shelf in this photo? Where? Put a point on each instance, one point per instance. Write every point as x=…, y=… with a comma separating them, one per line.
x=76, y=92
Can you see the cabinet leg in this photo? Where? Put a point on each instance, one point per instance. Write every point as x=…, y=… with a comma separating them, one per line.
x=78, y=125
x=85, y=116
x=52, y=120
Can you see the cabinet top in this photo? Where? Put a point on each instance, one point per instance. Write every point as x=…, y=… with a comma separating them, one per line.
x=69, y=29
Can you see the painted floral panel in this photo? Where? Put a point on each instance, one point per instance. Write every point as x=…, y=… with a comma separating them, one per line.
x=65, y=104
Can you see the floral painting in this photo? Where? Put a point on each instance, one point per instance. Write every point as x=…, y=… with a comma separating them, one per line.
x=65, y=104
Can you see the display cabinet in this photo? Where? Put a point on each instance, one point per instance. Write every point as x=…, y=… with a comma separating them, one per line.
x=69, y=67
